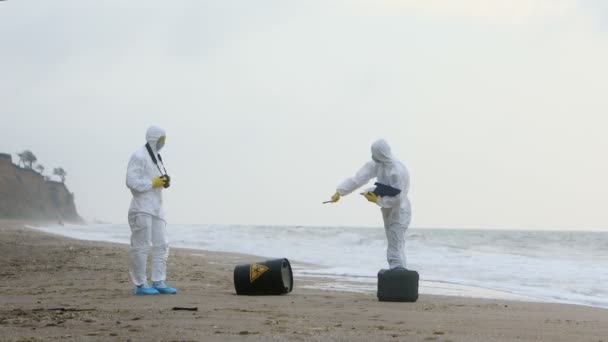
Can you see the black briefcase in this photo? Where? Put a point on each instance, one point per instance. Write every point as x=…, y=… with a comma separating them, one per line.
x=398, y=285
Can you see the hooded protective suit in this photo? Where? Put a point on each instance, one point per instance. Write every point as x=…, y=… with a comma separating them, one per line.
x=396, y=211
x=146, y=214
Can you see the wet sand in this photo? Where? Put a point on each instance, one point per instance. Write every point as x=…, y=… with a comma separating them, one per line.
x=55, y=288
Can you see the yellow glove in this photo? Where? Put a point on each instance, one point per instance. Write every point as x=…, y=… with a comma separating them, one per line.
x=335, y=198
x=158, y=182
x=372, y=197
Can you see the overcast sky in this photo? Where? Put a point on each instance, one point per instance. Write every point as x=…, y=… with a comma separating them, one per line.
x=498, y=108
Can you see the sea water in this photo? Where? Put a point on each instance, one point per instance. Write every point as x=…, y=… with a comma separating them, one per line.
x=555, y=266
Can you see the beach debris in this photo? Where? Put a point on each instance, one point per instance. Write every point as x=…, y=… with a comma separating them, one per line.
x=320, y=329
x=178, y=308
x=64, y=309
x=29, y=339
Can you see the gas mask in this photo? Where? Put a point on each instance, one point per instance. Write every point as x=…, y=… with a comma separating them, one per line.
x=160, y=144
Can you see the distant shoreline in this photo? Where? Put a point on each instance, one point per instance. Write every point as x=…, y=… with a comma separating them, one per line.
x=29, y=195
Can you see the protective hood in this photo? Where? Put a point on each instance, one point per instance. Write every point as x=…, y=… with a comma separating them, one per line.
x=153, y=134
x=381, y=152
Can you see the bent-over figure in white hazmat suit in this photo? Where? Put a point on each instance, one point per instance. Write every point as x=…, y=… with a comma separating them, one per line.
x=147, y=216
x=396, y=211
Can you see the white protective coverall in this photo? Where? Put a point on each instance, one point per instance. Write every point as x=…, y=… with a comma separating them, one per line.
x=146, y=214
x=396, y=211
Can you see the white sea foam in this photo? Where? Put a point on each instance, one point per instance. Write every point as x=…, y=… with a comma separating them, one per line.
x=570, y=267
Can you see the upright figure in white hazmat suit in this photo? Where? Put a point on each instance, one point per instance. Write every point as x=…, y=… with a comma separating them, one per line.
x=396, y=210
x=147, y=217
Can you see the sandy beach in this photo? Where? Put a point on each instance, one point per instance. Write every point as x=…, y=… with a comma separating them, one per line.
x=54, y=288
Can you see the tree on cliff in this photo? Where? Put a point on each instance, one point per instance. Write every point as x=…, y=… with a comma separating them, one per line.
x=59, y=171
x=40, y=168
x=28, y=158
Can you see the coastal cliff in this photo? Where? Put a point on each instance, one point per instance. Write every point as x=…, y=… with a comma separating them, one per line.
x=26, y=194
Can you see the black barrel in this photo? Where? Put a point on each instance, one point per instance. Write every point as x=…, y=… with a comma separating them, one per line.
x=398, y=285
x=271, y=277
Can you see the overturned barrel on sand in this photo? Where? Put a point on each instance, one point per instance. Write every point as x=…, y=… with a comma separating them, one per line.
x=271, y=277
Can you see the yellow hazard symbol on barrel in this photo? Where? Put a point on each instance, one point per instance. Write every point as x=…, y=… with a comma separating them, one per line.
x=256, y=271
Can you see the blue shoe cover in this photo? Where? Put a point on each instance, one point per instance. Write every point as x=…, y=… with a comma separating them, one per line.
x=145, y=291
x=164, y=289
